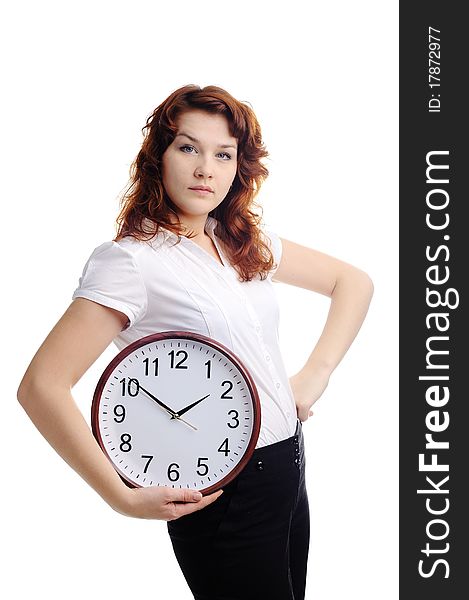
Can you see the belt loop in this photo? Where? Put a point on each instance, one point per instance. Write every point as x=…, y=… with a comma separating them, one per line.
x=299, y=426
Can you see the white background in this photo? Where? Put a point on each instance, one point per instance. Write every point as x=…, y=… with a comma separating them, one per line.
x=79, y=81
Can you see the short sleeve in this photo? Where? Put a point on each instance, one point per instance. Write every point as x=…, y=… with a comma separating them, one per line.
x=275, y=245
x=111, y=277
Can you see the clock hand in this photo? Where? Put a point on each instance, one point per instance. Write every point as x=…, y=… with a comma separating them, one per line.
x=167, y=409
x=184, y=410
x=170, y=411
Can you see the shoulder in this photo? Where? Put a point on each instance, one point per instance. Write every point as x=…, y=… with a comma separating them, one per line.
x=112, y=277
x=127, y=250
x=115, y=259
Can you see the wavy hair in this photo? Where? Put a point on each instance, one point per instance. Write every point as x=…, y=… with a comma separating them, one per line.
x=145, y=205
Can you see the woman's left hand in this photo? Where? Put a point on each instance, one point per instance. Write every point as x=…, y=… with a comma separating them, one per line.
x=307, y=387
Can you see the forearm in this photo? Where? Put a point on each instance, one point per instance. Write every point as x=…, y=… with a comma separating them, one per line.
x=57, y=417
x=350, y=300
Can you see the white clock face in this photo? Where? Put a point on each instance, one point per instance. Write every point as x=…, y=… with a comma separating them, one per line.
x=178, y=411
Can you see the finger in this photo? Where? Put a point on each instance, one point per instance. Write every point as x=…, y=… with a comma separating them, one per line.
x=185, y=509
x=183, y=495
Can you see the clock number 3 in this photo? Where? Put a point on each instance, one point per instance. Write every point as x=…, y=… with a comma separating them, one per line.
x=235, y=418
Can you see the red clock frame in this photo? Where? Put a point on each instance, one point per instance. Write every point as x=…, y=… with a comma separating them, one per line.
x=196, y=337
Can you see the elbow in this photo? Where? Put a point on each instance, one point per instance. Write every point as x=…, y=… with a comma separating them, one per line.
x=24, y=390
x=358, y=282
x=37, y=386
x=368, y=284
x=30, y=388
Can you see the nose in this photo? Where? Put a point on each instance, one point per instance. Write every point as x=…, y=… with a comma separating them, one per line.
x=203, y=169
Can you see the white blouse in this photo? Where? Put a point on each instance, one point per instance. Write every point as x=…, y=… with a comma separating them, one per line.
x=163, y=286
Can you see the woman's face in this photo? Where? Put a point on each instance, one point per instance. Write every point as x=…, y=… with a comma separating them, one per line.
x=203, y=154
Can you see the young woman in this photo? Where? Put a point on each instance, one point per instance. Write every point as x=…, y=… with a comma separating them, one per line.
x=191, y=254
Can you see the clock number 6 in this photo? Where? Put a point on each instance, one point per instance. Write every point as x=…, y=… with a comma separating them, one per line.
x=173, y=475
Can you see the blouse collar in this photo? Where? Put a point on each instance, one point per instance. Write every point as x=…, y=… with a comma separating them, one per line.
x=210, y=225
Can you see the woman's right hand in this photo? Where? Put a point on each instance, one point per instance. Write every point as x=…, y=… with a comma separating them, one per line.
x=79, y=337
x=163, y=503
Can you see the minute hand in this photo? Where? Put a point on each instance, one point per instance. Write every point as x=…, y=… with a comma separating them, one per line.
x=184, y=410
x=170, y=410
x=174, y=415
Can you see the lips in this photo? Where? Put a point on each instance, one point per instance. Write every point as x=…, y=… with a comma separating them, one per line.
x=201, y=188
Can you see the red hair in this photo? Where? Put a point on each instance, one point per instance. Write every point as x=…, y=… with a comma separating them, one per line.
x=145, y=206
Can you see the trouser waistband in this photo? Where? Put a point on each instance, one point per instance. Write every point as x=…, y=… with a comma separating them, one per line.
x=290, y=449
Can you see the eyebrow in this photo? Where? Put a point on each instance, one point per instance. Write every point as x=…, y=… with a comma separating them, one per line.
x=195, y=140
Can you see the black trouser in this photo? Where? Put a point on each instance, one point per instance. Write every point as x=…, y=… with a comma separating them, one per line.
x=253, y=541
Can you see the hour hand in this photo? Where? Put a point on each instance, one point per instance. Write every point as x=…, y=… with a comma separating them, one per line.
x=184, y=410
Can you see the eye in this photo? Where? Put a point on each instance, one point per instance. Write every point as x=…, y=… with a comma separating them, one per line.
x=187, y=149
x=186, y=146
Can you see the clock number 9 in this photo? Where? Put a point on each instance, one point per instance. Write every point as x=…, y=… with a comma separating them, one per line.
x=173, y=475
x=121, y=414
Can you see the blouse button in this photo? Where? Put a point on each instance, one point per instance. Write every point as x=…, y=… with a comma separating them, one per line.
x=278, y=385
x=267, y=357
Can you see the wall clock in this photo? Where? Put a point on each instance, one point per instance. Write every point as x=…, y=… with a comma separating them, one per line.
x=176, y=409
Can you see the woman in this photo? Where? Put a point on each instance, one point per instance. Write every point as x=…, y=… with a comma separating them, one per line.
x=192, y=255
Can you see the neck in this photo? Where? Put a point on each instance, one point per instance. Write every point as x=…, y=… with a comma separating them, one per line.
x=194, y=224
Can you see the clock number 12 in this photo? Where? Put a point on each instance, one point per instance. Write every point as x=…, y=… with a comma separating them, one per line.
x=179, y=364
